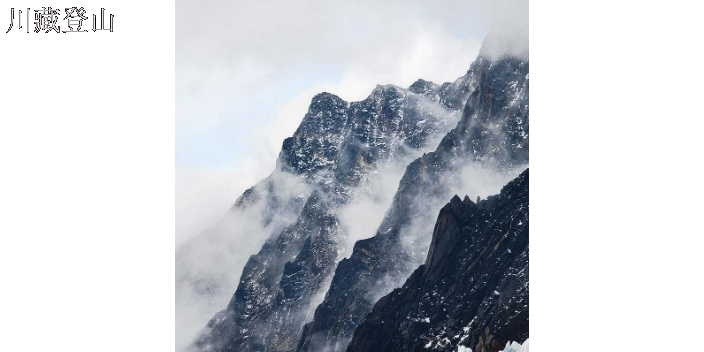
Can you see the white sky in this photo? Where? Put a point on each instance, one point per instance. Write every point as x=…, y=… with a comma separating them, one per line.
x=246, y=72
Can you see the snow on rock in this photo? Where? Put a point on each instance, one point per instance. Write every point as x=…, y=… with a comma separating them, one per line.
x=516, y=347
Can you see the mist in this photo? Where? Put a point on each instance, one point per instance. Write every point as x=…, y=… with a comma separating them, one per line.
x=238, y=100
x=472, y=180
x=363, y=215
x=209, y=265
x=207, y=275
x=245, y=74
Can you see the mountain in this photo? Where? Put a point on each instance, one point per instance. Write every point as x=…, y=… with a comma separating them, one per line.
x=490, y=141
x=337, y=150
x=472, y=290
x=293, y=225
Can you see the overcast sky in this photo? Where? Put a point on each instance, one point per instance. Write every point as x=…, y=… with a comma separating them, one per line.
x=247, y=70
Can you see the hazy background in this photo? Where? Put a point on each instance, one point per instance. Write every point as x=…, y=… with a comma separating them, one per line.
x=246, y=72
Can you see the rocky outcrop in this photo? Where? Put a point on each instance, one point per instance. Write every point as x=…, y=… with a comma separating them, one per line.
x=492, y=134
x=336, y=148
x=472, y=290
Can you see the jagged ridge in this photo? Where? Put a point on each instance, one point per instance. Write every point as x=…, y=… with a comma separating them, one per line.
x=472, y=289
x=492, y=132
x=336, y=146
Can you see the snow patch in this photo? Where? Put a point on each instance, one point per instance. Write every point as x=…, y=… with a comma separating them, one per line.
x=516, y=347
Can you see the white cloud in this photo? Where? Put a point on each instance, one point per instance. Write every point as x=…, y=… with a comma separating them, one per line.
x=203, y=196
x=246, y=72
x=245, y=75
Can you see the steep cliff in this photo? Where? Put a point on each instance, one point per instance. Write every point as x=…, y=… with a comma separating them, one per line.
x=472, y=290
x=337, y=147
x=491, y=136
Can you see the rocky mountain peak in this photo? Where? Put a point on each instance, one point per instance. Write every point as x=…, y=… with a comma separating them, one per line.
x=337, y=147
x=424, y=87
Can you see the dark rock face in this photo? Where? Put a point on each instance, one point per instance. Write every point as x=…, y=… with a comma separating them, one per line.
x=336, y=147
x=275, y=201
x=492, y=133
x=341, y=142
x=472, y=289
x=288, y=269
x=316, y=143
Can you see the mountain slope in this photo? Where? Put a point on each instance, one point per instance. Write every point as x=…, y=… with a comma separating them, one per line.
x=337, y=148
x=490, y=138
x=471, y=291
